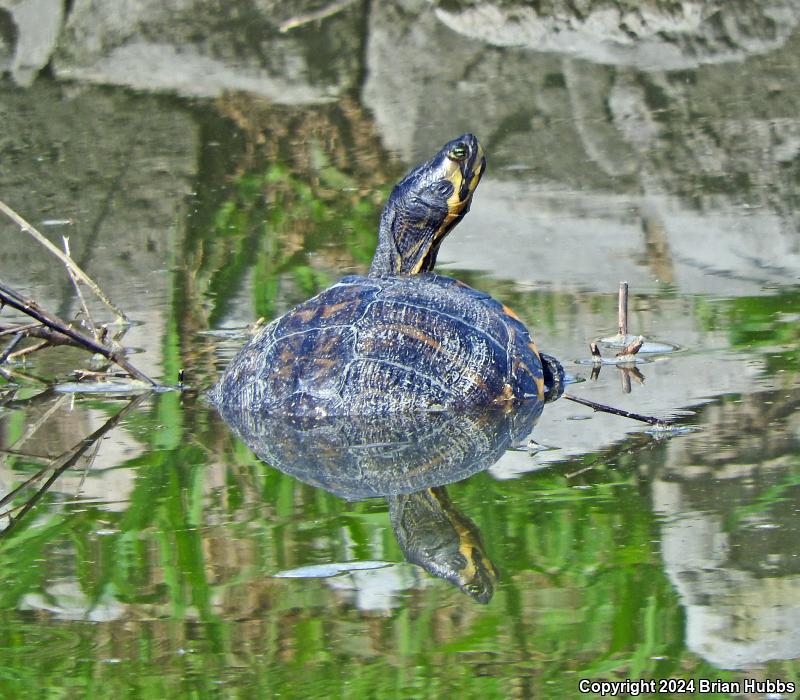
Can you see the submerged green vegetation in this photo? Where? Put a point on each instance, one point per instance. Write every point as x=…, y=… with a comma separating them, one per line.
x=172, y=590
x=273, y=223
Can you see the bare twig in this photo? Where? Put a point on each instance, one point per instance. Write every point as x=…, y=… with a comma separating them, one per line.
x=25, y=227
x=37, y=330
x=32, y=309
x=13, y=330
x=8, y=350
x=618, y=411
x=77, y=286
x=632, y=348
x=10, y=347
x=622, y=309
x=41, y=345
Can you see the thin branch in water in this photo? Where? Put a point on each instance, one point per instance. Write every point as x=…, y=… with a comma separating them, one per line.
x=632, y=348
x=622, y=309
x=77, y=287
x=16, y=340
x=27, y=376
x=30, y=349
x=59, y=465
x=11, y=330
x=87, y=467
x=8, y=350
x=652, y=420
x=32, y=309
x=25, y=484
x=37, y=330
x=26, y=455
x=25, y=227
x=33, y=427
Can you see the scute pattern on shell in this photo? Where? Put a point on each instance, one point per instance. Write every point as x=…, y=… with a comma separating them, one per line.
x=377, y=345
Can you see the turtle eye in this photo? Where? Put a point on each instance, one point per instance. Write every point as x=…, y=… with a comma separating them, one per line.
x=458, y=152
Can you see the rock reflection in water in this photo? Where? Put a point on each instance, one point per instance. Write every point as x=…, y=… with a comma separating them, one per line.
x=728, y=498
x=408, y=459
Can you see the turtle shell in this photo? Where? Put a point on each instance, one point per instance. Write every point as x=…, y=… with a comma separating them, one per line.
x=380, y=345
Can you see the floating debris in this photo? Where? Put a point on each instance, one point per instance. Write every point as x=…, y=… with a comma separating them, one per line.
x=621, y=360
x=331, y=569
x=647, y=347
x=623, y=339
x=534, y=447
x=114, y=386
x=670, y=429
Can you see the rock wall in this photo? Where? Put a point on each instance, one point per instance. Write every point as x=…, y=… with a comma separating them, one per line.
x=654, y=35
x=202, y=49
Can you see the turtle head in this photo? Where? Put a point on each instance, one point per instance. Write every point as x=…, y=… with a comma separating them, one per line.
x=424, y=207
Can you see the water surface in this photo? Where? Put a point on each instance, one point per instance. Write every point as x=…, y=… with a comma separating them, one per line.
x=246, y=172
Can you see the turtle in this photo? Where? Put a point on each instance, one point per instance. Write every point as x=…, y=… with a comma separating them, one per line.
x=407, y=458
x=401, y=338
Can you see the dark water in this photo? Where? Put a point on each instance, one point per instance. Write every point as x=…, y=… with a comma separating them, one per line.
x=214, y=168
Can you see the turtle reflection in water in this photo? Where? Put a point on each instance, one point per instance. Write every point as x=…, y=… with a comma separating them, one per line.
x=400, y=339
x=406, y=458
